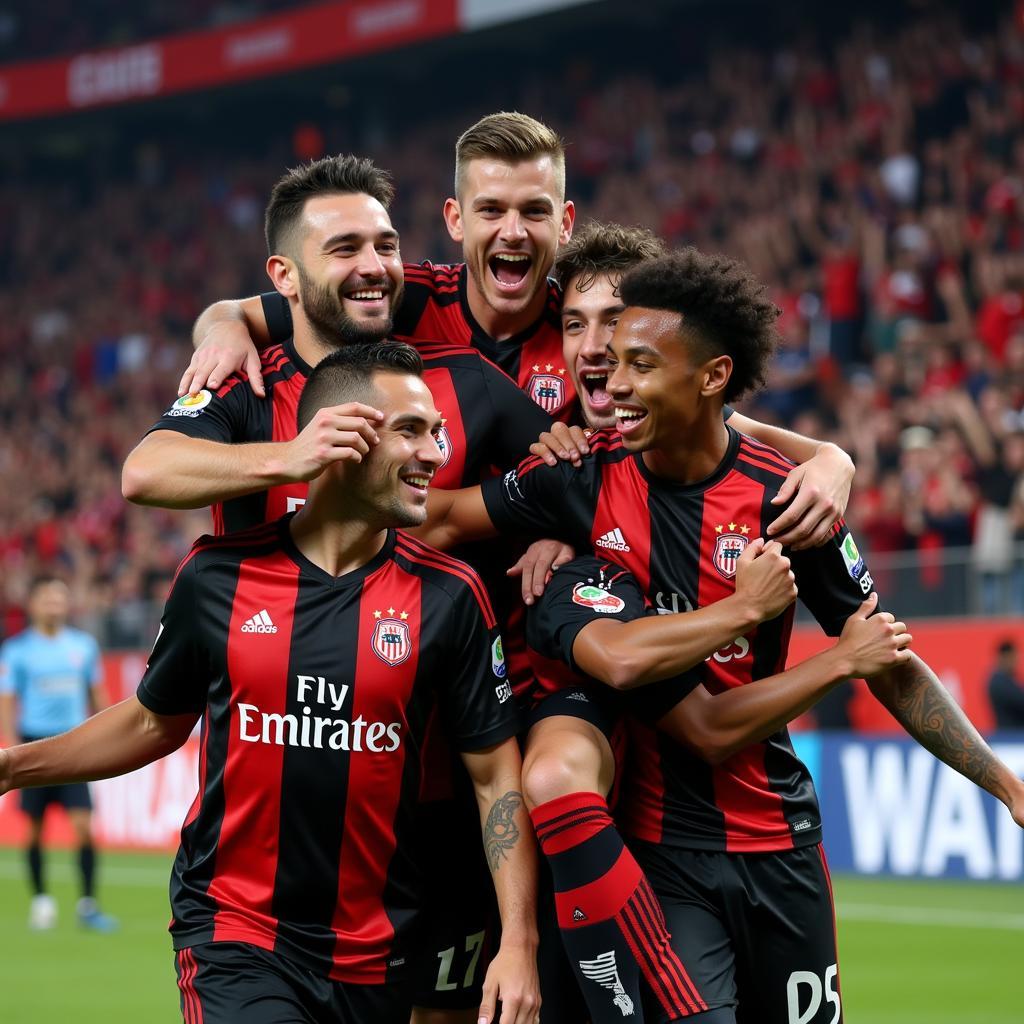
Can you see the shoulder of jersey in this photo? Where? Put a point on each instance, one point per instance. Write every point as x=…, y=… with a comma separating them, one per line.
x=752, y=453
x=444, y=352
x=438, y=277
x=233, y=547
x=606, y=442
x=275, y=365
x=450, y=574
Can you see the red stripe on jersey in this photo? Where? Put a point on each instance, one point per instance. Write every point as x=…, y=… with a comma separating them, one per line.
x=257, y=663
x=622, y=524
x=452, y=439
x=417, y=551
x=752, y=812
x=285, y=406
x=766, y=452
x=752, y=460
x=360, y=922
x=249, y=536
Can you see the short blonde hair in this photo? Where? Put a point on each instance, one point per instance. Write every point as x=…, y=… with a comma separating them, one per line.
x=512, y=137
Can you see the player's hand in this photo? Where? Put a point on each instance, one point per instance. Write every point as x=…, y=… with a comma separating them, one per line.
x=822, y=488
x=1015, y=803
x=872, y=642
x=511, y=980
x=226, y=349
x=542, y=557
x=337, y=433
x=562, y=442
x=764, y=579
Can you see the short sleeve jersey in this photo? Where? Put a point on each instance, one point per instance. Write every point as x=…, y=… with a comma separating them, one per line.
x=681, y=543
x=315, y=694
x=436, y=307
x=485, y=420
x=51, y=677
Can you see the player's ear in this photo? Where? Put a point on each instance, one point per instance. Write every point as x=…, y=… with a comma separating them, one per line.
x=281, y=271
x=717, y=372
x=453, y=219
x=568, y=219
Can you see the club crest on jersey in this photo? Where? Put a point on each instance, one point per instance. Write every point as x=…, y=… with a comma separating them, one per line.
x=729, y=545
x=589, y=596
x=444, y=442
x=391, y=641
x=547, y=387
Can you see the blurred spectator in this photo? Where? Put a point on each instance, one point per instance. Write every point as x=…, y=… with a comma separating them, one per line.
x=1005, y=689
x=874, y=181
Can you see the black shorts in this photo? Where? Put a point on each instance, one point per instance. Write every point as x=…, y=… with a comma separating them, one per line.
x=459, y=930
x=72, y=796
x=756, y=931
x=592, y=704
x=235, y=983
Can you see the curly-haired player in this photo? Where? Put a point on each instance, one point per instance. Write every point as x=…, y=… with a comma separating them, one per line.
x=730, y=845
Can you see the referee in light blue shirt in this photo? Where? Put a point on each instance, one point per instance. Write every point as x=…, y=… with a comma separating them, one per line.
x=51, y=681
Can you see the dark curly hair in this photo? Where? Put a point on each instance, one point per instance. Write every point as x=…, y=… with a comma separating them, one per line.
x=599, y=248
x=725, y=310
x=347, y=374
x=333, y=175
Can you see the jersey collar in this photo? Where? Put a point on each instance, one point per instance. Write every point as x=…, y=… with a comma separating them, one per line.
x=698, y=486
x=311, y=569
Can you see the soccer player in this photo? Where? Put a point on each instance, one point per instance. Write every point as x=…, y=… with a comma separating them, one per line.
x=50, y=679
x=733, y=850
x=334, y=256
x=315, y=650
x=510, y=214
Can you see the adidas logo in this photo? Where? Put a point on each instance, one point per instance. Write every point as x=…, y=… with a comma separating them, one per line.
x=261, y=622
x=578, y=915
x=614, y=540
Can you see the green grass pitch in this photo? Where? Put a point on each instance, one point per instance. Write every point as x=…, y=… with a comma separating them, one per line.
x=911, y=952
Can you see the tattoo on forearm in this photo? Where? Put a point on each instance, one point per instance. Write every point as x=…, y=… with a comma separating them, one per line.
x=501, y=832
x=923, y=706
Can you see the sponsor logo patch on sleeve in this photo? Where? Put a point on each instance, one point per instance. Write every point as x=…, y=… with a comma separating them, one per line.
x=601, y=601
x=190, y=405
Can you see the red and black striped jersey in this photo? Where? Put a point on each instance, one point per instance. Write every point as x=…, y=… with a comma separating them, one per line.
x=316, y=694
x=435, y=306
x=681, y=543
x=486, y=420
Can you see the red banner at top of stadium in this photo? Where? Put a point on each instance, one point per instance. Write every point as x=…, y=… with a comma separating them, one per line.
x=319, y=34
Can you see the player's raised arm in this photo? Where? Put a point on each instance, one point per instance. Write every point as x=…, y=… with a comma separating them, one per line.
x=819, y=486
x=512, y=858
x=917, y=699
x=173, y=470
x=118, y=740
x=227, y=338
x=632, y=649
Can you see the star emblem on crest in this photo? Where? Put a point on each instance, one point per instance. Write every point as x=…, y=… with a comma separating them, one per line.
x=740, y=528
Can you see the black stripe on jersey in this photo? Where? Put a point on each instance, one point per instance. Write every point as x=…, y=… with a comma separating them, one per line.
x=309, y=843
x=195, y=863
x=769, y=648
x=670, y=511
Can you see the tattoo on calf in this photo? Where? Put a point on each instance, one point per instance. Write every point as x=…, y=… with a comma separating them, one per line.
x=501, y=832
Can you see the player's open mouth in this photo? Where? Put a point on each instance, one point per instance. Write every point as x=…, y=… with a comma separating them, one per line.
x=419, y=482
x=510, y=269
x=628, y=419
x=595, y=384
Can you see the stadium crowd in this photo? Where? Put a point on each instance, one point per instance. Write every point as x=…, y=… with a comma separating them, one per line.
x=63, y=27
x=878, y=191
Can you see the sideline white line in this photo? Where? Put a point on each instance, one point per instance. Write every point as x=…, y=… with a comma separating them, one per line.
x=937, y=916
